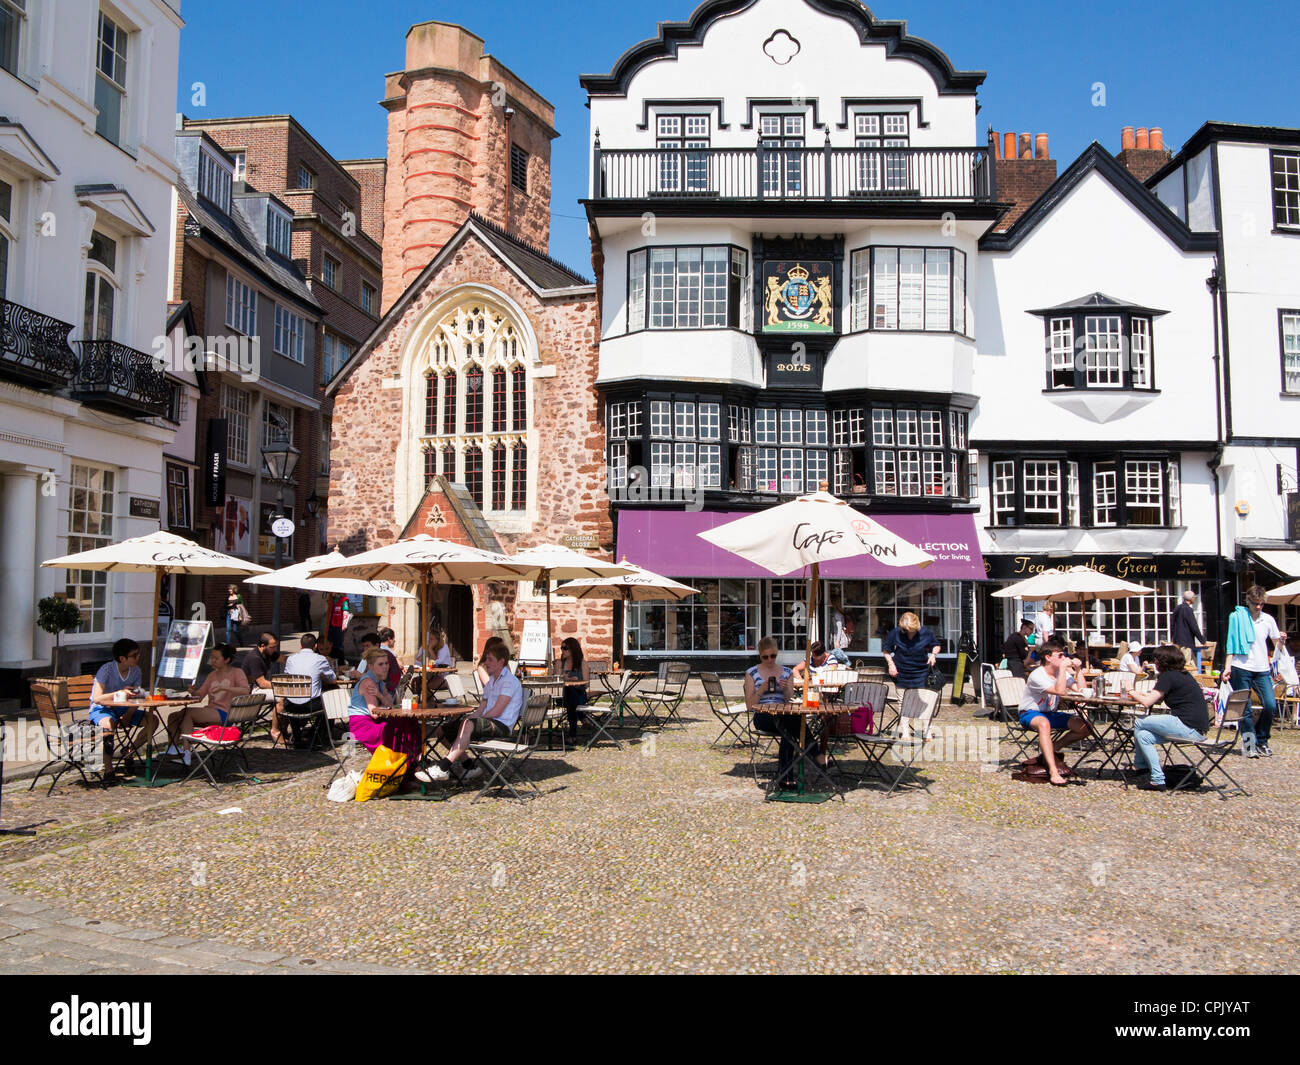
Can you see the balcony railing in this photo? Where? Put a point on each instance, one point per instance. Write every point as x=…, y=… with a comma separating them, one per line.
x=844, y=175
x=120, y=379
x=34, y=348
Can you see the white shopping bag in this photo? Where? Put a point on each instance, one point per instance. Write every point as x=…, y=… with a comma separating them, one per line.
x=344, y=789
x=1284, y=665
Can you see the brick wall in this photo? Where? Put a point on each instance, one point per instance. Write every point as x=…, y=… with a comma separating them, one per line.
x=569, y=459
x=370, y=174
x=1020, y=182
x=1143, y=162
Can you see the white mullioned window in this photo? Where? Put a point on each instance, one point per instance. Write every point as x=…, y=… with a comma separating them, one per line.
x=1286, y=189
x=241, y=306
x=1104, y=350
x=1144, y=491
x=236, y=407
x=1042, y=492
x=13, y=18
x=90, y=525
x=1004, y=493
x=1061, y=354
x=290, y=331
x=214, y=180
x=110, y=79
x=279, y=230
x=1290, y=330
x=1105, y=494
x=860, y=288
x=1140, y=352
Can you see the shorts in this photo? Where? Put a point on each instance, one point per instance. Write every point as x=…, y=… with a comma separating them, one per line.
x=1058, y=718
x=100, y=714
x=486, y=728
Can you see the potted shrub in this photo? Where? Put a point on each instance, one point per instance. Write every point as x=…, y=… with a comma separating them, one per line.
x=56, y=615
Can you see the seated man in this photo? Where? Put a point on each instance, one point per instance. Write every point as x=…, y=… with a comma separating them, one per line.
x=1043, y=688
x=308, y=662
x=121, y=674
x=821, y=658
x=503, y=701
x=259, y=666
x=1188, y=718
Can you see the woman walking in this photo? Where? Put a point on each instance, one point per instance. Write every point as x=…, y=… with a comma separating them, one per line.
x=236, y=615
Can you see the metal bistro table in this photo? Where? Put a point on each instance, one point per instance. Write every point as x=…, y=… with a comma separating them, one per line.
x=426, y=716
x=1112, y=729
x=814, y=724
x=625, y=682
x=150, y=773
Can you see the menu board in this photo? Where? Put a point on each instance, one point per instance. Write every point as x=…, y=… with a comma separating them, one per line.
x=183, y=651
x=532, y=647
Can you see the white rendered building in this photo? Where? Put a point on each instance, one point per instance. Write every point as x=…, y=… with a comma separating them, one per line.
x=86, y=170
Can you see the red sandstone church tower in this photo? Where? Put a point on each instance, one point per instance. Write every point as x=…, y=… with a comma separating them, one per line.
x=471, y=413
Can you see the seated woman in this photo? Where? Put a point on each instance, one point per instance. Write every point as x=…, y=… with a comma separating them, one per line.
x=821, y=658
x=371, y=694
x=1131, y=662
x=219, y=687
x=768, y=684
x=577, y=675
x=1188, y=717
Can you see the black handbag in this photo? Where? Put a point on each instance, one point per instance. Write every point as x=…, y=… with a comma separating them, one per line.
x=935, y=679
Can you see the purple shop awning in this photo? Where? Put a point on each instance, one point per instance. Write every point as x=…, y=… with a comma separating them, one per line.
x=666, y=541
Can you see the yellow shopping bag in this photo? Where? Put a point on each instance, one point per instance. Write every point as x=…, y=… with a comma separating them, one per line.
x=383, y=776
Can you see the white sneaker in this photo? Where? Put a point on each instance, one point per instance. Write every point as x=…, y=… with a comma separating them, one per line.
x=422, y=775
x=432, y=775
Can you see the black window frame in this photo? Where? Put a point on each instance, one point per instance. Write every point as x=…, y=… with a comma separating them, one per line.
x=870, y=327
x=1088, y=463
x=1078, y=374
x=737, y=271
x=1279, y=195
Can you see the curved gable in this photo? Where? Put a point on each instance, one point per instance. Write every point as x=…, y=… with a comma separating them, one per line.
x=892, y=34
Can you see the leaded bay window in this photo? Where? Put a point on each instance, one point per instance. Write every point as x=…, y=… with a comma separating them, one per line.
x=1099, y=343
x=1087, y=491
x=909, y=289
x=901, y=451
x=685, y=288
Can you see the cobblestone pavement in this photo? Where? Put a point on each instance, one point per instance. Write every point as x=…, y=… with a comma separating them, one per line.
x=659, y=858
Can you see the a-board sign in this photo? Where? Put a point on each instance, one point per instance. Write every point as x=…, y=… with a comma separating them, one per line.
x=183, y=651
x=532, y=645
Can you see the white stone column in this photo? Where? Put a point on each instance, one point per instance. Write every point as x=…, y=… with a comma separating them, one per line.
x=18, y=492
x=47, y=581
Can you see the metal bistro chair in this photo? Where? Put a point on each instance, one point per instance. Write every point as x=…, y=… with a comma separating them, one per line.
x=337, y=702
x=552, y=687
x=1206, y=756
x=920, y=707
x=667, y=695
x=505, y=759
x=288, y=686
x=216, y=754
x=733, y=718
x=1010, y=691
x=873, y=694
x=72, y=744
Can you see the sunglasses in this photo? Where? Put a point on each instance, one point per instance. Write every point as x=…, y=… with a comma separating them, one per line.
x=766, y=658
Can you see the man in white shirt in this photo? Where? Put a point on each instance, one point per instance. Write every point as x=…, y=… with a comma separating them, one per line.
x=1253, y=670
x=503, y=701
x=1044, y=625
x=308, y=663
x=1038, y=707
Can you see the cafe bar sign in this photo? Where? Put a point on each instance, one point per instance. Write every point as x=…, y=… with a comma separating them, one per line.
x=1135, y=568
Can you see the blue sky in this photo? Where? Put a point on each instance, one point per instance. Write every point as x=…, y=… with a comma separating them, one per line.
x=1168, y=64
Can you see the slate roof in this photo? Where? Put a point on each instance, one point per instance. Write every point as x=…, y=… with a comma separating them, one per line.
x=234, y=233
x=545, y=272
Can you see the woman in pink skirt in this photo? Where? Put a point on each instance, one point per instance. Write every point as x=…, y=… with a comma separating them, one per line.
x=371, y=694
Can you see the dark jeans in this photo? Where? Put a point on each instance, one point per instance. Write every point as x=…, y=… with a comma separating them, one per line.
x=787, y=727
x=1262, y=684
x=575, y=695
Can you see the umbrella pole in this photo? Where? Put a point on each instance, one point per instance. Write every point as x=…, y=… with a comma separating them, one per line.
x=157, y=598
x=812, y=606
x=424, y=652
x=549, y=650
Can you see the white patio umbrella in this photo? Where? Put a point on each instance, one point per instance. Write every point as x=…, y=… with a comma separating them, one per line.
x=808, y=531
x=158, y=553
x=1078, y=584
x=1287, y=595
x=423, y=560
x=640, y=585
x=554, y=562
x=298, y=576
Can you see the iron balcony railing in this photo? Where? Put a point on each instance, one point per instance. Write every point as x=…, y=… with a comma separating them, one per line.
x=120, y=379
x=34, y=348
x=845, y=175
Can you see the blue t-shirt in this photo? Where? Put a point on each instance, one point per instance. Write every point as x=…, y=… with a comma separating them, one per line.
x=110, y=680
x=507, y=684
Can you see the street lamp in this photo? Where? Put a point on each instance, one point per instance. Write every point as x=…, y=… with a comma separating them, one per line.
x=279, y=461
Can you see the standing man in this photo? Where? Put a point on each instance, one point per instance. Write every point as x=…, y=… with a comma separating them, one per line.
x=304, y=611
x=1247, y=666
x=1045, y=625
x=338, y=607
x=1016, y=649
x=1185, y=630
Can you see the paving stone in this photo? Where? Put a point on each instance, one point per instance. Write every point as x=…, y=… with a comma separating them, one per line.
x=95, y=924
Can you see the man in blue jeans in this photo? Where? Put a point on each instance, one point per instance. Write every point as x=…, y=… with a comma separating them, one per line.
x=1247, y=666
x=1188, y=718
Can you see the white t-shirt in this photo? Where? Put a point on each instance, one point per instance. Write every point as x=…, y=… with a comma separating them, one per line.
x=1258, y=660
x=507, y=684
x=1130, y=663
x=1038, y=692
x=1044, y=626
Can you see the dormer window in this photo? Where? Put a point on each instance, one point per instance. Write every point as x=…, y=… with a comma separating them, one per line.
x=279, y=227
x=1099, y=342
x=214, y=180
